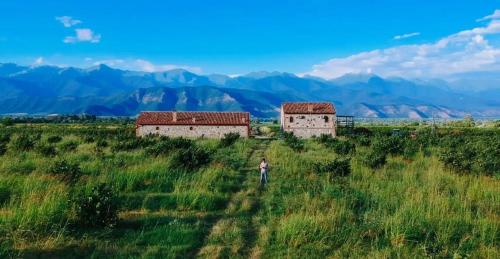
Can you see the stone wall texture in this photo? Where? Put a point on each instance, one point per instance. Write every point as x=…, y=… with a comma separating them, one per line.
x=190, y=131
x=308, y=125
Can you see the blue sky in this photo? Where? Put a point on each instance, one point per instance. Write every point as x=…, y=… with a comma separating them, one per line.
x=234, y=37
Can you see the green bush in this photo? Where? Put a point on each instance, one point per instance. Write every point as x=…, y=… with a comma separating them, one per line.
x=5, y=195
x=292, y=141
x=393, y=145
x=46, y=149
x=229, y=139
x=89, y=139
x=336, y=168
x=101, y=143
x=324, y=139
x=124, y=146
x=362, y=140
x=344, y=148
x=4, y=138
x=54, y=139
x=375, y=158
x=166, y=145
x=339, y=147
x=410, y=149
x=190, y=158
x=459, y=154
x=7, y=121
x=99, y=208
x=67, y=171
x=362, y=131
x=69, y=146
x=488, y=159
x=3, y=149
x=228, y=158
x=24, y=142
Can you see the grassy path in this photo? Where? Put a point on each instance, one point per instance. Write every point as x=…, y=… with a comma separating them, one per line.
x=235, y=233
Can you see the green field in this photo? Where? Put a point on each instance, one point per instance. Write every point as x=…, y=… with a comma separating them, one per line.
x=416, y=192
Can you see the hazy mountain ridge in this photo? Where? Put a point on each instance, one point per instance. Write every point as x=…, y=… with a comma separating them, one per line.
x=102, y=90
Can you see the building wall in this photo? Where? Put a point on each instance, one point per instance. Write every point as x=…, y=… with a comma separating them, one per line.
x=188, y=131
x=308, y=125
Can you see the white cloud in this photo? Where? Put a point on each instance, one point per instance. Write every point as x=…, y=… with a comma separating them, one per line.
x=465, y=51
x=147, y=66
x=110, y=62
x=68, y=21
x=495, y=15
x=407, y=35
x=144, y=65
x=83, y=35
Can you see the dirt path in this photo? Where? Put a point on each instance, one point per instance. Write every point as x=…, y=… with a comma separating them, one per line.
x=234, y=234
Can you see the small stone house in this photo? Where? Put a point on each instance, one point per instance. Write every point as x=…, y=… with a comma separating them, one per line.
x=193, y=124
x=308, y=119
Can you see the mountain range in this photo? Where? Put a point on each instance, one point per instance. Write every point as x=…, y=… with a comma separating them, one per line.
x=105, y=91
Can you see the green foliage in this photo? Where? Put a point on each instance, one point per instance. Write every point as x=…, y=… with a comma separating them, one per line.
x=68, y=146
x=336, y=168
x=4, y=138
x=467, y=122
x=166, y=145
x=5, y=195
x=338, y=146
x=362, y=131
x=409, y=150
x=471, y=154
x=374, y=158
x=229, y=139
x=132, y=143
x=3, y=149
x=391, y=145
x=101, y=143
x=88, y=139
x=325, y=139
x=24, y=142
x=363, y=140
x=67, y=171
x=46, y=149
x=54, y=139
x=344, y=147
x=99, y=208
x=292, y=141
x=190, y=158
x=7, y=121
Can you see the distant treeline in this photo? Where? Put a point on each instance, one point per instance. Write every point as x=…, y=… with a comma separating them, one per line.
x=11, y=120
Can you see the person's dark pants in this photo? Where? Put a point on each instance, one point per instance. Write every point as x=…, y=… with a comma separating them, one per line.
x=263, y=177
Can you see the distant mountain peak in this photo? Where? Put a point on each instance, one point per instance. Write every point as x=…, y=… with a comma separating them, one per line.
x=100, y=67
x=355, y=78
x=263, y=74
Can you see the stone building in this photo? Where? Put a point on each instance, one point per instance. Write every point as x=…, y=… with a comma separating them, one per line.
x=308, y=119
x=193, y=124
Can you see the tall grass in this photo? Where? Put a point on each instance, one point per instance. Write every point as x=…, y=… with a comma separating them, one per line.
x=406, y=208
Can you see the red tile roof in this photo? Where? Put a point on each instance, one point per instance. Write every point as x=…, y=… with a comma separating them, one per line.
x=308, y=108
x=194, y=118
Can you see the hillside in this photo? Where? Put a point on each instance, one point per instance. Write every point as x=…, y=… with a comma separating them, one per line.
x=102, y=90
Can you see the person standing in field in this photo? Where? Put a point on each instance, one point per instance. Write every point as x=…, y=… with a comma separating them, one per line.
x=263, y=167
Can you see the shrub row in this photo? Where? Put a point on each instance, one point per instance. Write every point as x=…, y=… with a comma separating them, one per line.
x=336, y=168
x=471, y=154
x=338, y=146
x=292, y=141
